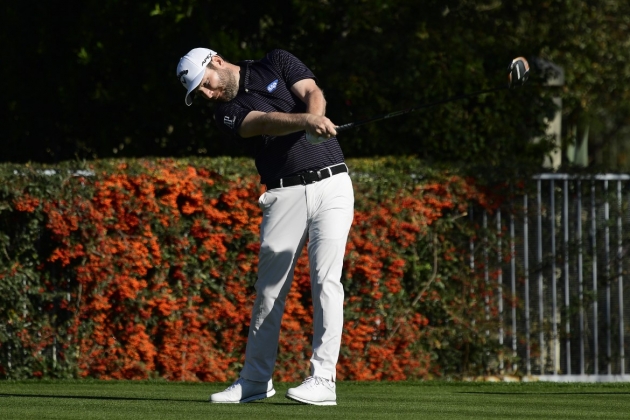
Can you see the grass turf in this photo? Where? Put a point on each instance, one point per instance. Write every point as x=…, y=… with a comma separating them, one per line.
x=356, y=400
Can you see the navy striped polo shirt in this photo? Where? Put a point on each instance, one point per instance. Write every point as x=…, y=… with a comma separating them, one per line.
x=265, y=85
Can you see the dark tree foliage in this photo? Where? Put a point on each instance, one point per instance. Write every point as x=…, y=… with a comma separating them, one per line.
x=96, y=79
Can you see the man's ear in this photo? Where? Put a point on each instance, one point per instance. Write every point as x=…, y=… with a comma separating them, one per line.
x=217, y=60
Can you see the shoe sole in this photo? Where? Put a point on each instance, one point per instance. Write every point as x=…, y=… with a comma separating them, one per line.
x=249, y=399
x=305, y=401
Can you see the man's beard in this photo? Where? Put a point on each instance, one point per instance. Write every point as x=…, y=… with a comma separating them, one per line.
x=229, y=85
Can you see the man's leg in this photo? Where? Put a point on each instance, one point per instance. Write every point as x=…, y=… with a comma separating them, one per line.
x=283, y=234
x=328, y=233
x=331, y=210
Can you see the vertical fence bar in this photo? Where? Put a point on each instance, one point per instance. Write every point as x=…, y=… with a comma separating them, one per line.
x=628, y=218
x=594, y=270
x=554, y=291
x=620, y=276
x=472, y=242
x=541, y=318
x=500, y=287
x=472, y=252
x=580, y=273
x=528, y=362
x=565, y=248
x=513, y=287
x=607, y=263
x=9, y=349
x=54, y=353
x=486, y=277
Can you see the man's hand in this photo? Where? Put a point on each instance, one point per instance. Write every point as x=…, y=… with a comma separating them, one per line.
x=319, y=129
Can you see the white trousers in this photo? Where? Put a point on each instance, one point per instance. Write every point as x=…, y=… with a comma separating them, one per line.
x=323, y=213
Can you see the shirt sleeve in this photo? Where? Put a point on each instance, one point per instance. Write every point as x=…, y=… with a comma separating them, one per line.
x=290, y=67
x=229, y=117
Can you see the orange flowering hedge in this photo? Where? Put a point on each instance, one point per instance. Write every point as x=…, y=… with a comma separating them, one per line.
x=145, y=268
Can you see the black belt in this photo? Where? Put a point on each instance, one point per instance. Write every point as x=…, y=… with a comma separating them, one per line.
x=309, y=177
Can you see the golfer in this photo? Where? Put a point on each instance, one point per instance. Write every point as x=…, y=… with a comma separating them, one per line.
x=275, y=107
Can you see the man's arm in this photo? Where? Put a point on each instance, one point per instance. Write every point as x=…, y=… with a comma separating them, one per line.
x=313, y=121
x=308, y=91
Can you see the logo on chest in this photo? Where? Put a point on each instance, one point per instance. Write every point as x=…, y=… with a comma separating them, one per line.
x=272, y=86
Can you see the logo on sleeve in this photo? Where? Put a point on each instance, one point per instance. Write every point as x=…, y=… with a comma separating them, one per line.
x=229, y=122
x=272, y=86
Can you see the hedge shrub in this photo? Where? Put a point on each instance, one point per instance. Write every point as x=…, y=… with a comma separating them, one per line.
x=145, y=269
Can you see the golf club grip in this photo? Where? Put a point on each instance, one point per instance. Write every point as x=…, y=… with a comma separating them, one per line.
x=344, y=127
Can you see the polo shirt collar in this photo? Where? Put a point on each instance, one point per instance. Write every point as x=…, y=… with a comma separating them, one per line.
x=243, y=74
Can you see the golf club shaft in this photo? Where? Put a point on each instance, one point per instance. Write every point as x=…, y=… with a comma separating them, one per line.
x=348, y=126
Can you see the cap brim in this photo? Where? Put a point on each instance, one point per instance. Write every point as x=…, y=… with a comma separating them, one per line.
x=196, y=81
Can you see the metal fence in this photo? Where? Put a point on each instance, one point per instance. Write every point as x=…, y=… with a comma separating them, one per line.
x=563, y=304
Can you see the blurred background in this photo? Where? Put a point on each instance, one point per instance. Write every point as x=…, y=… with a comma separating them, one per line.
x=96, y=79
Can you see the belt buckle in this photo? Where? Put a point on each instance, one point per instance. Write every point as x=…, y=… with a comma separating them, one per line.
x=304, y=181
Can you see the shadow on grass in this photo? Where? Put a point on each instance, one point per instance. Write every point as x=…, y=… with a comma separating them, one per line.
x=545, y=393
x=287, y=403
x=90, y=397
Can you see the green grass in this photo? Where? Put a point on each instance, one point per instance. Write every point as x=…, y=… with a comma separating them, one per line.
x=356, y=400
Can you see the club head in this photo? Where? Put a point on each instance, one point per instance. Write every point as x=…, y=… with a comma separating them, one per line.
x=518, y=72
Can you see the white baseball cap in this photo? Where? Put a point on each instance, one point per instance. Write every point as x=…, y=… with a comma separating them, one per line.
x=191, y=69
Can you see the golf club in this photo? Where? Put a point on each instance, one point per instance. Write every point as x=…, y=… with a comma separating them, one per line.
x=518, y=72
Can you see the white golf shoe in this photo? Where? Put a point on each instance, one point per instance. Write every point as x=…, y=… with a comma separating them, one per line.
x=243, y=391
x=314, y=390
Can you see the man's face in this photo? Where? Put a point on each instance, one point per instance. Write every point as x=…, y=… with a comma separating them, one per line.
x=218, y=85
